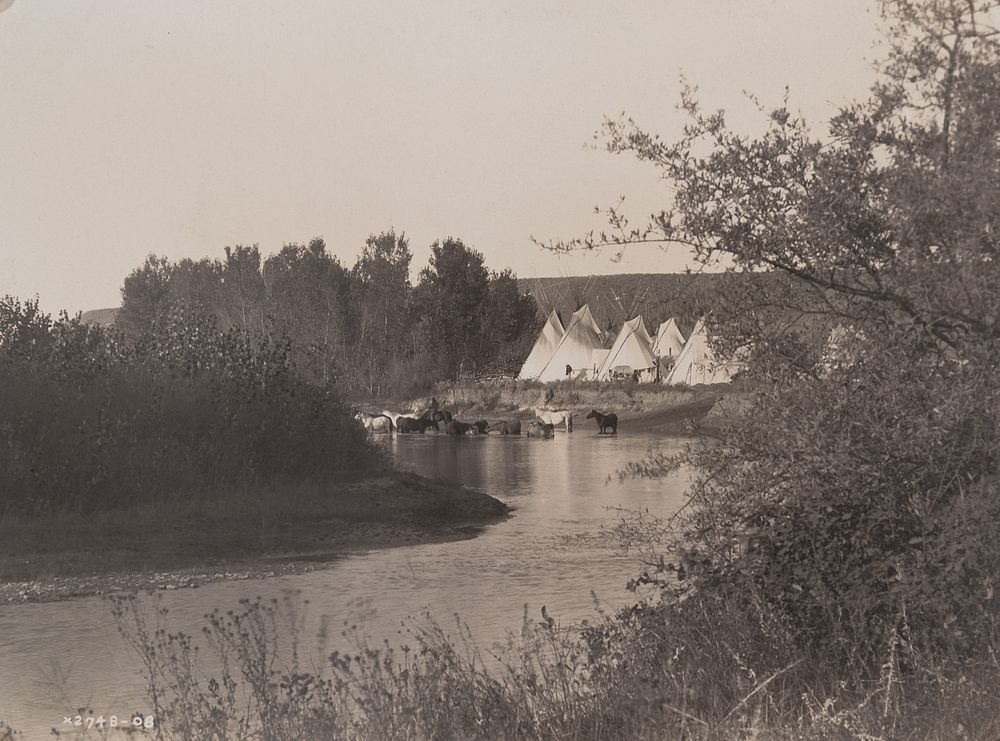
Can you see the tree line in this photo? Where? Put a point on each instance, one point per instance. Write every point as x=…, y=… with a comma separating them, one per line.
x=366, y=328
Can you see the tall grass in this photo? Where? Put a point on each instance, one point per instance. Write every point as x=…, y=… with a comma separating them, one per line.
x=706, y=669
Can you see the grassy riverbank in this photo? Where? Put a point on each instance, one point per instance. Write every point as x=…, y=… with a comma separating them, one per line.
x=242, y=533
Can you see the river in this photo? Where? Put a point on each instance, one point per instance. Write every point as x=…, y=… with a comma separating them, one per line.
x=553, y=551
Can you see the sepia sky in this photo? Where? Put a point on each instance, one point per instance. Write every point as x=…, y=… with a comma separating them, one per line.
x=180, y=127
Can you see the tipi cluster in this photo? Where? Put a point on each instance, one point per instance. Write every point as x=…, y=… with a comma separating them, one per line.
x=575, y=351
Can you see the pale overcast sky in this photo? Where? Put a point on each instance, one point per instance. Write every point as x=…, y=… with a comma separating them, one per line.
x=180, y=126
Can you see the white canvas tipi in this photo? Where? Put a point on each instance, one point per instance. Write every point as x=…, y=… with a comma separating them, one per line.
x=574, y=350
x=669, y=341
x=696, y=363
x=631, y=350
x=588, y=318
x=548, y=338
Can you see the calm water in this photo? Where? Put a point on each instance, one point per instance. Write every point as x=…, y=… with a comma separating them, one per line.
x=551, y=552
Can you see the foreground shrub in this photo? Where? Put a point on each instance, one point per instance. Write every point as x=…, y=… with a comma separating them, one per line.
x=856, y=509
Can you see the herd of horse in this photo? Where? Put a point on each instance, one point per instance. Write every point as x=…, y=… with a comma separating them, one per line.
x=543, y=424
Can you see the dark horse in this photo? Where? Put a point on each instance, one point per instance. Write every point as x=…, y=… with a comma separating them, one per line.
x=508, y=428
x=409, y=424
x=604, y=421
x=458, y=428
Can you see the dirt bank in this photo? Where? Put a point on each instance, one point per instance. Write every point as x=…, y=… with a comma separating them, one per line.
x=242, y=535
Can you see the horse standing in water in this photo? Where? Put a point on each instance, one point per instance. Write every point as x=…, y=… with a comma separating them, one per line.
x=458, y=428
x=540, y=429
x=441, y=415
x=436, y=413
x=604, y=421
x=375, y=422
x=555, y=417
x=508, y=428
x=415, y=424
x=393, y=417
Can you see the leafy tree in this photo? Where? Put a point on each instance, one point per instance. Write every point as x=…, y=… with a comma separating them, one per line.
x=242, y=300
x=145, y=297
x=450, y=297
x=857, y=501
x=197, y=285
x=381, y=297
x=309, y=303
x=510, y=323
x=23, y=326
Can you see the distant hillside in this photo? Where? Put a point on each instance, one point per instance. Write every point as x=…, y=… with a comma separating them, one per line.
x=102, y=317
x=656, y=296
